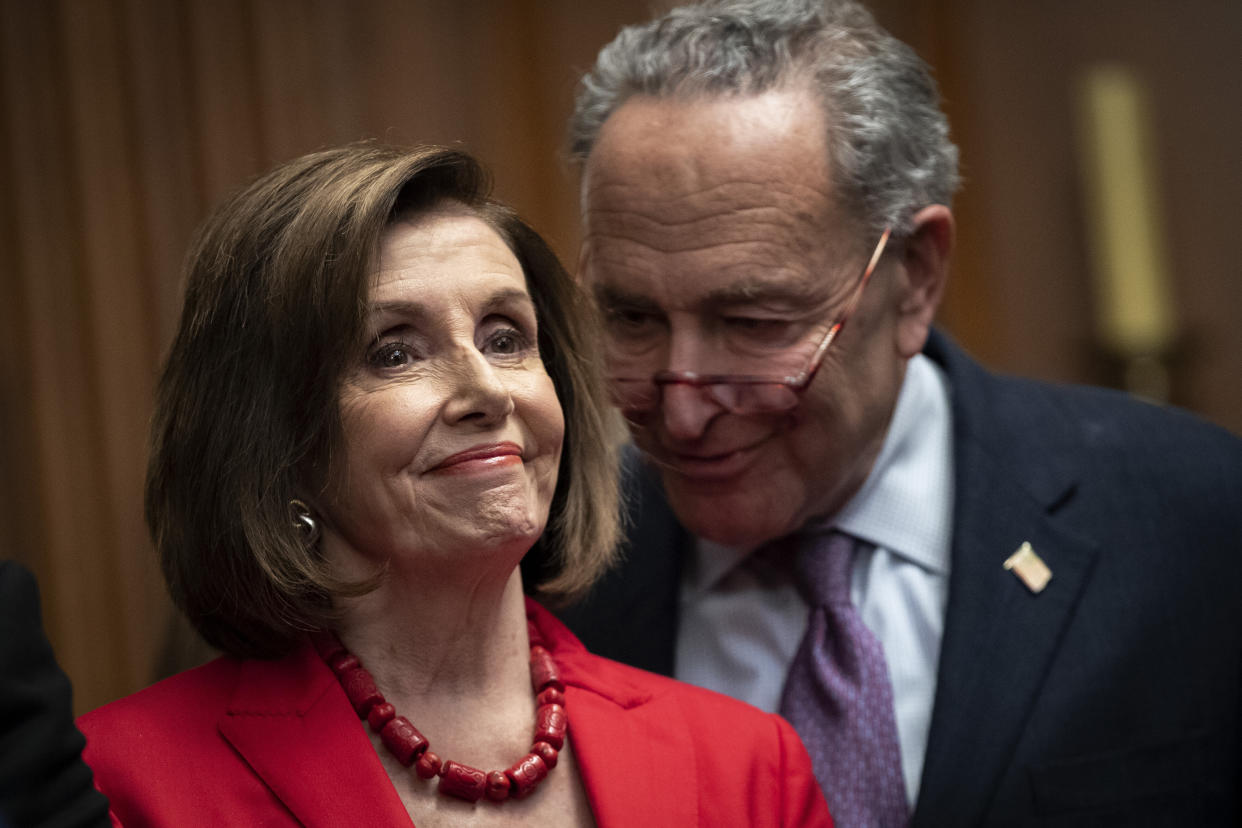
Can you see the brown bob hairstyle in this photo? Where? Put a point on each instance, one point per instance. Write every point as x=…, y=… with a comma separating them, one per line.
x=247, y=413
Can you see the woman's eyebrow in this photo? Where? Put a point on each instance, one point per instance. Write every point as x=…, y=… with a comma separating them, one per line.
x=508, y=296
x=398, y=308
x=419, y=311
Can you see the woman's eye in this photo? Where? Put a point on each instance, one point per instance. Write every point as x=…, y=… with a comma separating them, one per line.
x=506, y=342
x=391, y=355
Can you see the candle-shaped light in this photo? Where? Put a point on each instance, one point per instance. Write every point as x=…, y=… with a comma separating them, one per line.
x=1125, y=222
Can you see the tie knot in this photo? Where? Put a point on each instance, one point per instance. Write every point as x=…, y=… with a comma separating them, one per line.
x=824, y=565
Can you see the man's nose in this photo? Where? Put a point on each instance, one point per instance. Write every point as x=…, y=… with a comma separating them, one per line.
x=687, y=410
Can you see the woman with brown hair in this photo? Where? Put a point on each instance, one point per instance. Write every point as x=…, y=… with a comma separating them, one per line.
x=378, y=432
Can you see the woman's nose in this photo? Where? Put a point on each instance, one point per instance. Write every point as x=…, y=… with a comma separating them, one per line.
x=477, y=389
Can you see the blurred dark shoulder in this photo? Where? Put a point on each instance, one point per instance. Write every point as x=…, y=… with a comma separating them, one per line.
x=43, y=780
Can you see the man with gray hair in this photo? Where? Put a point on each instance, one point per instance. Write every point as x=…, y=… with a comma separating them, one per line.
x=954, y=584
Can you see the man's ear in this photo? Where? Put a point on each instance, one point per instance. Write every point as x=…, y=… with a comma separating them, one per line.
x=925, y=258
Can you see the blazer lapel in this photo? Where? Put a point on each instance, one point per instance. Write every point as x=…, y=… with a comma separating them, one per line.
x=613, y=724
x=298, y=733
x=611, y=743
x=999, y=637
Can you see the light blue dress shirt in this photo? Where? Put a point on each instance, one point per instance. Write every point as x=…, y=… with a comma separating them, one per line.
x=742, y=617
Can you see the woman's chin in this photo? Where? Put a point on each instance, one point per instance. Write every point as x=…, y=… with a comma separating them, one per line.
x=484, y=541
x=502, y=519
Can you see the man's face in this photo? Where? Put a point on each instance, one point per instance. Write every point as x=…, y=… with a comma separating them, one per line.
x=711, y=233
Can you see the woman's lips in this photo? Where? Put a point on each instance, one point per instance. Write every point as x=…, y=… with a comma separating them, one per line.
x=479, y=458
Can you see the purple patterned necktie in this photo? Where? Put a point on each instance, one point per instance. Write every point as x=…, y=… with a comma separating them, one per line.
x=838, y=695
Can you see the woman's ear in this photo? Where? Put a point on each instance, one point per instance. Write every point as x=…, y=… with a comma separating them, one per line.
x=925, y=258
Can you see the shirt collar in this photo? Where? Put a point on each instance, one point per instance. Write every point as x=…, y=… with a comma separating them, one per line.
x=905, y=504
x=709, y=562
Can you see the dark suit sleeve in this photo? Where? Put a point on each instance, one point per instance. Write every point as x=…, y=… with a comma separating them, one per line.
x=43, y=780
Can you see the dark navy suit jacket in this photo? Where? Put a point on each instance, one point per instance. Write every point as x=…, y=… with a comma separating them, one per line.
x=1112, y=697
x=43, y=780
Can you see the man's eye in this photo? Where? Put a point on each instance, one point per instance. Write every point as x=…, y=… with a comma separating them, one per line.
x=628, y=321
x=757, y=324
x=761, y=331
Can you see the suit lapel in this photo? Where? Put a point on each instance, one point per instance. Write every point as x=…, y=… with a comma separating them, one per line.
x=999, y=638
x=298, y=733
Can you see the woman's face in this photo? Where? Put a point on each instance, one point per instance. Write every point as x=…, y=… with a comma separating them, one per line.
x=452, y=426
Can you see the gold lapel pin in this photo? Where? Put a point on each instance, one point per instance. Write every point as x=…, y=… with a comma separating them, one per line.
x=1029, y=568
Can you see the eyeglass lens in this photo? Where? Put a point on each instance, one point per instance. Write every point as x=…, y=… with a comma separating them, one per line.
x=753, y=397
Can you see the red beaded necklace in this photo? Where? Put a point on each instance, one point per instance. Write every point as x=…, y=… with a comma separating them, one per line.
x=410, y=747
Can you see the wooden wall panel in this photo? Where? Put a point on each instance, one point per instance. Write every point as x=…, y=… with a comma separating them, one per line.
x=1020, y=64
x=163, y=135
x=76, y=529
x=121, y=345
x=970, y=309
x=229, y=128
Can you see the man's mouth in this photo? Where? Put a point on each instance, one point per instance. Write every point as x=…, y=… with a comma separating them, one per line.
x=708, y=466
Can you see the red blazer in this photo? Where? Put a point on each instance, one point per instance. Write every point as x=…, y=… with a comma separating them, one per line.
x=276, y=743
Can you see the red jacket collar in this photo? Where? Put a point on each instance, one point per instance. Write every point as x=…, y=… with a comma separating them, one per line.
x=293, y=725
x=291, y=722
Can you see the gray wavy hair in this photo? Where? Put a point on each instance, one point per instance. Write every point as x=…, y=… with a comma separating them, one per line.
x=888, y=140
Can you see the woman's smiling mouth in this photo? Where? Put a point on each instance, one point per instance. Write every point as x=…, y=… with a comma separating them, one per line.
x=481, y=458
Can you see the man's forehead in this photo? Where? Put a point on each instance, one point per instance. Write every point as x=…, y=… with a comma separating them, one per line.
x=788, y=290
x=685, y=143
x=735, y=122
x=713, y=201
x=680, y=163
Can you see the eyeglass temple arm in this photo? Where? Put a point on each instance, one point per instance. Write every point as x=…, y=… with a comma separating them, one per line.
x=813, y=365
